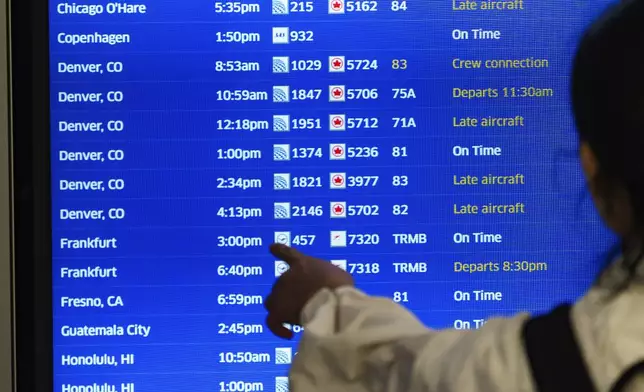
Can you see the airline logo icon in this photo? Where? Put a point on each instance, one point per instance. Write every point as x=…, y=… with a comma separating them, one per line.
x=338, y=180
x=281, y=64
x=336, y=64
x=337, y=122
x=280, y=35
x=336, y=6
x=338, y=239
x=280, y=7
x=281, y=181
x=337, y=94
x=338, y=209
x=281, y=123
x=281, y=152
x=280, y=268
x=282, y=210
x=282, y=237
x=342, y=264
x=283, y=355
x=281, y=384
x=281, y=94
x=337, y=151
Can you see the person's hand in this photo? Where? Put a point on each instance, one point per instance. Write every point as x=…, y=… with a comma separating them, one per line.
x=304, y=278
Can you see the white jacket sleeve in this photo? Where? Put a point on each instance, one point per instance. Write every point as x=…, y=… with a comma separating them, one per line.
x=356, y=343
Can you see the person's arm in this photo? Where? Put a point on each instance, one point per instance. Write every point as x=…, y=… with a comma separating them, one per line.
x=353, y=342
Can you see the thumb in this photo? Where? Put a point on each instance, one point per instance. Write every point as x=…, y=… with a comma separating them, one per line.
x=290, y=255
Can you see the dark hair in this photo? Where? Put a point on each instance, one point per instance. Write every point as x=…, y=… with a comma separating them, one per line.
x=608, y=105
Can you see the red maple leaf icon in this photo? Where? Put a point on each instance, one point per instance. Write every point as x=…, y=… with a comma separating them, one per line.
x=337, y=150
x=338, y=180
x=337, y=5
x=337, y=92
x=338, y=209
x=337, y=121
x=337, y=63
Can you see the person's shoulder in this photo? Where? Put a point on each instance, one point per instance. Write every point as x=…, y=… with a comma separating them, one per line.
x=608, y=327
x=490, y=358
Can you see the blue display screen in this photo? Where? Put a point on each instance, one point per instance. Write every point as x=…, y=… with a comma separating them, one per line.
x=425, y=146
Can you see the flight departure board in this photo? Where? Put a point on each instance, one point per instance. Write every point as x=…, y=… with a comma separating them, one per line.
x=425, y=146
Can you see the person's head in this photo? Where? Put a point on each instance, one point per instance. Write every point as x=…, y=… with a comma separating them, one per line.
x=608, y=105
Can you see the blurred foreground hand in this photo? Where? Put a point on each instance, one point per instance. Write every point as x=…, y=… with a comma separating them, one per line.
x=293, y=290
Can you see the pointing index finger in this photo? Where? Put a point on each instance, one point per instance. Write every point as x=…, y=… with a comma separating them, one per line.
x=286, y=253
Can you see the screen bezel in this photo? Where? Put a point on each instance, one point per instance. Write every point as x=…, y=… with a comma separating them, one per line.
x=6, y=251
x=29, y=39
x=30, y=141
